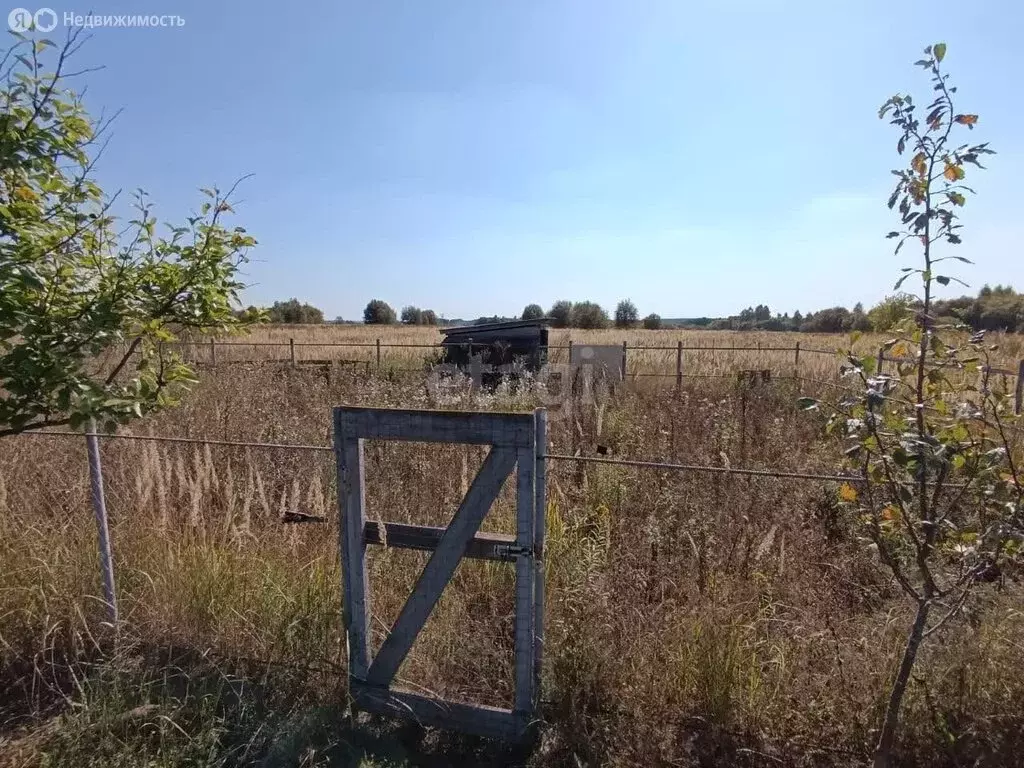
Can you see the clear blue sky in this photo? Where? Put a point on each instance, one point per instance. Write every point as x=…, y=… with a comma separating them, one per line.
x=472, y=156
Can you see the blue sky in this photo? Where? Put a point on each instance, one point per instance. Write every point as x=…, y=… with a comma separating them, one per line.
x=472, y=156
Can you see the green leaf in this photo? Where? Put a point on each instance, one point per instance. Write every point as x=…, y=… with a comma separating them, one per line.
x=939, y=51
x=942, y=280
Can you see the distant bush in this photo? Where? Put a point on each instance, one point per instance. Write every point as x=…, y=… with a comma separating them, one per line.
x=652, y=322
x=533, y=312
x=379, y=312
x=588, y=315
x=625, y=314
x=293, y=311
x=560, y=312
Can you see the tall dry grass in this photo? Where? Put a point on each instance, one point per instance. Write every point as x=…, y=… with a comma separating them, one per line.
x=693, y=619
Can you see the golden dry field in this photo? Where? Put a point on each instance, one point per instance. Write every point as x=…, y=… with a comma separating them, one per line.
x=693, y=618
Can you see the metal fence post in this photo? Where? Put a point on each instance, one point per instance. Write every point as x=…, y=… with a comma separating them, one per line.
x=623, y=361
x=378, y=355
x=1018, y=400
x=99, y=508
x=679, y=369
x=291, y=349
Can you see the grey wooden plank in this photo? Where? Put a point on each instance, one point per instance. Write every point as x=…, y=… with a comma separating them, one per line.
x=1018, y=396
x=508, y=429
x=480, y=720
x=483, y=546
x=525, y=574
x=539, y=531
x=351, y=509
x=442, y=564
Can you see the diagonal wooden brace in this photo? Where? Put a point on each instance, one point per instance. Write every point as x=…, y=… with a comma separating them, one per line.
x=442, y=564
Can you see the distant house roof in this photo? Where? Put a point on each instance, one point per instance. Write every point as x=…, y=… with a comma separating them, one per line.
x=468, y=330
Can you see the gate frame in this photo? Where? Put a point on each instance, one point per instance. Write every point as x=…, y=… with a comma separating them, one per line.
x=516, y=440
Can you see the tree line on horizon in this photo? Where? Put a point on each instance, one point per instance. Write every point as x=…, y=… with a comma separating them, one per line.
x=994, y=308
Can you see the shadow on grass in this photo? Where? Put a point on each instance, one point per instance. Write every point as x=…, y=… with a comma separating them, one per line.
x=171, y=706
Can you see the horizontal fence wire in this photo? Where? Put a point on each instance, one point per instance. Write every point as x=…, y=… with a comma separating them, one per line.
x=662, y=465
x=640, y=463
x=183, y=440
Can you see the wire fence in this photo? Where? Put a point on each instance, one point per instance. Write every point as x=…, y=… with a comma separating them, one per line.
x=637, y=361
x=233, y=544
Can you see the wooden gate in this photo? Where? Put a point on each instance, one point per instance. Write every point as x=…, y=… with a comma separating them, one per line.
x=516, y=439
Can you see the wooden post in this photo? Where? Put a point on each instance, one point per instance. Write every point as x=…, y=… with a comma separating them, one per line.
x=796, y=366
x=291, y=349
x=679, y=369
x=1018, y=400
x=476, y=373
x=540, y=527
x=99, y=508
x=569, y=361
x=623, y=361
x=881, y=359
x=378, y=355
x=213, y=351
x=348, y=451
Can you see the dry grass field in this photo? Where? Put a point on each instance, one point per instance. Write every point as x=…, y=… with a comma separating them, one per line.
x=705, y=352
x=694, y=619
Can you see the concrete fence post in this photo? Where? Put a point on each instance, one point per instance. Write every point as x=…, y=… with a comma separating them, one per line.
x=99, y=508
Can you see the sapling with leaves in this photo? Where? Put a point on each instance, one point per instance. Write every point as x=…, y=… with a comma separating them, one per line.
x=940, y=496
x=88, y=306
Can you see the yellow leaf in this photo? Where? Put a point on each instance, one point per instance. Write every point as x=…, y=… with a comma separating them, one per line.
x=919, y=164
x=953, y=172
x=889, y=513
x=847, y=492
x=966, y=119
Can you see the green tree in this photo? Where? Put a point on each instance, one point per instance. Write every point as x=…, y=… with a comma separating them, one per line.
x=379, y=312
x=625, y=314
x=588, y=315
x=88, y=304
x=859, y=319
x=652, y=322
x=831, y=320
x=940, y=496
x=412, y=315
x=532, y=312
x=295, y=312
x=560, y=312
x=891, y=311
x=428, y=317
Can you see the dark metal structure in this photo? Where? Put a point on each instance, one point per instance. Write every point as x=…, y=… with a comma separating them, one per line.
x=501, y=347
